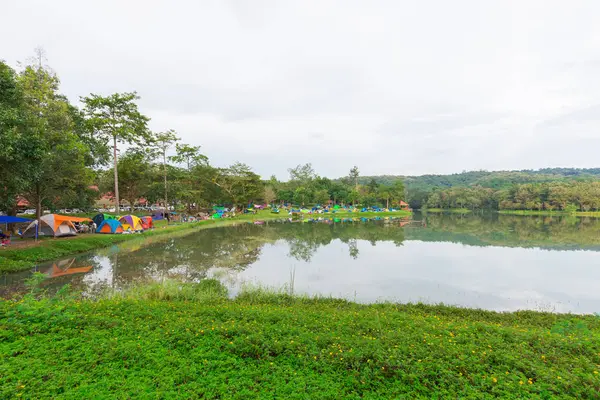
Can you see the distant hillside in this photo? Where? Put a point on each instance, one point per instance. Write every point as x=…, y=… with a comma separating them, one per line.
x=491, y=179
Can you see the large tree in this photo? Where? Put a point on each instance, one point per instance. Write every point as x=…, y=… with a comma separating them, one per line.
x=117, y=118
x=14, y=148
x=60, y=170
x=239, y=185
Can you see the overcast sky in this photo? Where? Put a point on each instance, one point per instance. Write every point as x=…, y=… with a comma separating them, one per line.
x=395, y=87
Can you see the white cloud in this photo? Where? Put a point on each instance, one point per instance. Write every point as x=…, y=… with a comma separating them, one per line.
x=394, y=87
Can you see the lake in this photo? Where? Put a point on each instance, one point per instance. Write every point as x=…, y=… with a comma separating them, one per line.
x=495, y=262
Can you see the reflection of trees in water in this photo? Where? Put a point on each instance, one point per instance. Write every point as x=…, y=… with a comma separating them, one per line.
x=353, y=249
x=558, y=233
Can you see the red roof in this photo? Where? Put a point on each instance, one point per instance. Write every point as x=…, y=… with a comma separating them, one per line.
x=21, y=202
x=402, y=203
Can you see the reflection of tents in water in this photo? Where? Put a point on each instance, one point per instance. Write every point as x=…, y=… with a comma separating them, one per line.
x=65, y=267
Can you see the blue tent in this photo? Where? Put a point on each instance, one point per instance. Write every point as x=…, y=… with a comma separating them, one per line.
x=7, y=219
x=110, y=226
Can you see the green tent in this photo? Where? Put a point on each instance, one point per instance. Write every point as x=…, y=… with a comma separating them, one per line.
x=336, y=207
x=216, y=216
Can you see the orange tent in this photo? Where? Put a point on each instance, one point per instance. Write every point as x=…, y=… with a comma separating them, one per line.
x=54, y=225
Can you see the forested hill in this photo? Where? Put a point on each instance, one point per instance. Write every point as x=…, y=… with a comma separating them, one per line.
x=490, y=179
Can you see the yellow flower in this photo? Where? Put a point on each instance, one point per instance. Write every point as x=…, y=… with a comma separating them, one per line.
x=495, y=380
x=520, y=382
x=558, y=377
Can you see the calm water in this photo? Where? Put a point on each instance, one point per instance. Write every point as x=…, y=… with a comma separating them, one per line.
x=494, y=262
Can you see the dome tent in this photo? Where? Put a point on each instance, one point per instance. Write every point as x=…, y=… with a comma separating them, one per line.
x=53, y=225
x=131, y=223
x=99, y=218
x=110, y=226
x=147, y=222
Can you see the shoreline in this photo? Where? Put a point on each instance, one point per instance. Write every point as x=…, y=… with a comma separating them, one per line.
x=550, y=213
x=15, y=259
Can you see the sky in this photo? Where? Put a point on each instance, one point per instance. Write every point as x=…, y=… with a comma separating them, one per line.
x=394, y=87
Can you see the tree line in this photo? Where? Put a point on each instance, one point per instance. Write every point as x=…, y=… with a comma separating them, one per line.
x=56, y=154
x=552, y=196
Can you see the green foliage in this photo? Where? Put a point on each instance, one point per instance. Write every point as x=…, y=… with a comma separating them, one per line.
x=273, y=345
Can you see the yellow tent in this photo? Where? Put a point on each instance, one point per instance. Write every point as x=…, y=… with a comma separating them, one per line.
x=131, y=223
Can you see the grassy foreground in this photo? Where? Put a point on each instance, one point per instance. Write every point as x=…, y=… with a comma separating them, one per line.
x=22, y=258
x=175, y=340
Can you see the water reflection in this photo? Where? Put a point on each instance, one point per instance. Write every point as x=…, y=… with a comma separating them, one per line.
x=490, y=261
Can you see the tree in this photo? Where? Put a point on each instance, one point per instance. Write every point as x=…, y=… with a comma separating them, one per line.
x=116, y=117
x=321, y=196
x=302, y=174
x=135, y=174
x=59, y=171
x=269, y=195
x=162, y=142
x=353, y=176
x=239, y=184
x=189, y=155
x=15, y=149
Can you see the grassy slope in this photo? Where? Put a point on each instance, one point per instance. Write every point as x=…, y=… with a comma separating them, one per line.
x=156, y=344
x=15, y=259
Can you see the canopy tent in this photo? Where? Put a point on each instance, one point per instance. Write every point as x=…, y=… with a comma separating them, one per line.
x=110, y=226
x=131, y=223
x=53, y=225
x=147, y=222
x=99, y=218
x=7, y=219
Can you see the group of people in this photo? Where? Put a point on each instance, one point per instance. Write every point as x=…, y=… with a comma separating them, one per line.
x=85, y=228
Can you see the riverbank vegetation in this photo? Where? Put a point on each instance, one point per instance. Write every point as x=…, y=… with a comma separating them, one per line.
x=191, y=341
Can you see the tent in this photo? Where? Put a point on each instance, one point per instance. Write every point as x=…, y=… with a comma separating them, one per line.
x=147, y=222
x=216, y=216
x=53, y=225
x=7, y=219
x=158, y=215
x=110, y=226
x=131, y=223
x=336, y=207
x=101, y=217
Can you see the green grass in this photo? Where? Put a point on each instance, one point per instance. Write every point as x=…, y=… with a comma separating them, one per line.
x=448, y=210
x=176, y=340
x=18, y=259
x=551, y=213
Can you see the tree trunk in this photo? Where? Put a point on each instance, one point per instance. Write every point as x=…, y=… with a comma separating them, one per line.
x=117, y=204
x=38, y=202
x=165, y=171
